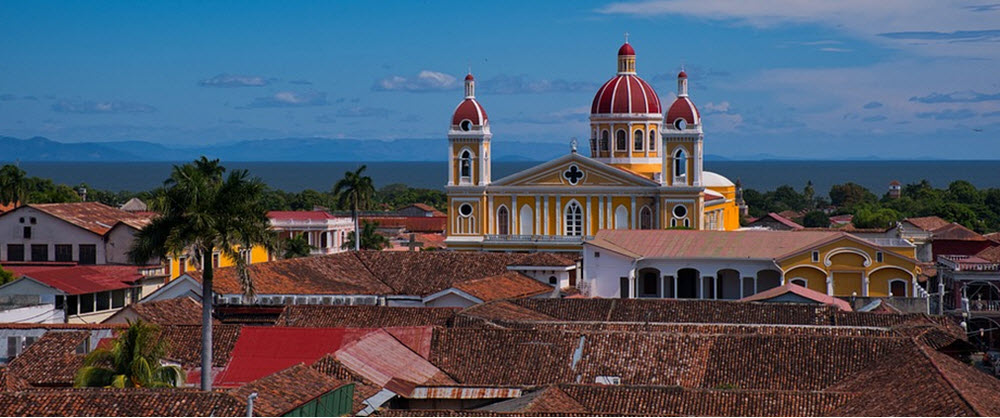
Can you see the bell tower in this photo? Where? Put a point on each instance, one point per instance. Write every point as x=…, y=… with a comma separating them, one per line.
x=682, y=140
x=469, y=141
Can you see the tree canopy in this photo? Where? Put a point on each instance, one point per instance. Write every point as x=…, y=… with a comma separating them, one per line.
x=134, y=360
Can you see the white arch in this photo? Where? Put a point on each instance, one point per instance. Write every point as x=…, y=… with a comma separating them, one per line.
x=912, y=276
x=842, y=250
x=570, y=225
x=506, y=212
x=621, y=217
x=526, y=220
x=462, y=158
x=783, y=272
x=679, y=169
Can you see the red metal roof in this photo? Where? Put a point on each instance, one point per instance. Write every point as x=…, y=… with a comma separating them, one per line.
x=79, y=280
x=801, y=291
x=471, y=110
x=626, y=49
x=261, y=351
x=300, y=215
x=626, y=93
x=382, y=359
x=683, y=108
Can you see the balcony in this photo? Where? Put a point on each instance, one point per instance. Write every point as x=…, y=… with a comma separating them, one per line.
x=553, y=239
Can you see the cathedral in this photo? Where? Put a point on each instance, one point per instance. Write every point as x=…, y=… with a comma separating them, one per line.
x=645, y=171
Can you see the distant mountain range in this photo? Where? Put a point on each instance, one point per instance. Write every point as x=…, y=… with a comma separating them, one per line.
x=42, y=149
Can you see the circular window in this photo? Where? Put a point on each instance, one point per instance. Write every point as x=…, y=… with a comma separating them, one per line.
x=680, y=124
x=465, y=209
x=466, y=125
x=680, y=211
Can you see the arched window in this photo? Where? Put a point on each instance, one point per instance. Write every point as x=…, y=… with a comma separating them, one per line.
x=637, y=143
x=526, y=220
x=621, y=217
x=897, y=288
x=553, y=280
x=503, y=221
x=800, y=282
x=645, y=218
x=465, y=165
x=680, y=164
x=604, y=140
x=621, y=143
x=574, y=219
x=652, y=140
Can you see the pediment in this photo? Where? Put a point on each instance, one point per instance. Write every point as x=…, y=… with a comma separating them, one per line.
x=586, y=172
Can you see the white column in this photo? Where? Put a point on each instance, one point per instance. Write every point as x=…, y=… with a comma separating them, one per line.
x=482, y=167
x=829, y=284
x=586, y=217
x=489, y=220
x=514, y=224
x=559, y=216
x=538, y=213
x=715, y=287
x=610, y=219
x=545, y=218
x=600, y=213
x=755, y=288
x=451, y=163
x=675, y=285
x=701, y=287
x=632, y=222
x=864, y=284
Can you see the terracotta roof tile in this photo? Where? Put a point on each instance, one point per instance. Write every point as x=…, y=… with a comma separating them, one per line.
x=52, y=360
x=993, y=236
x=177, y=311
x=92, y=216
x=10, y=382
x=319, y=316
x=184, y=343
x=337, y=274
x=504, y=286
x=675, y=401
x=286, y=390
x=927, y=223
x=990, y=254
x=120, y=402
x=956, y=232
x=800, y=291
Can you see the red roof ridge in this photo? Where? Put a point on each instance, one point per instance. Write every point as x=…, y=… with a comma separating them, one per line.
x=801, y=291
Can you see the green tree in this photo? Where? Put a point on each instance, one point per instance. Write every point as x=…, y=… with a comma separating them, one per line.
x=816, y=219
x=296, y=247
x=850, y=194
x=132, y=361
x=809, y=194
x=873, y=216
x=6, y=276
x=202, y=212
x=13, y=185
x=370, y=238
x=355, y=191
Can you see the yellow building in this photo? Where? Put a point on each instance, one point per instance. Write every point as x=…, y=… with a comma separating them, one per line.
x=179, y=265
x=645, y=171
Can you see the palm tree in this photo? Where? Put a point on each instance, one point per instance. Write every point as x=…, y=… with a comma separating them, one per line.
x=370, y=238
x=296, y=247
x=13, y=185
x=356, y=191
x=203, y=212
x=132, y=361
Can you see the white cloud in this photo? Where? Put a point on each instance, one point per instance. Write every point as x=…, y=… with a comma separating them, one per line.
x=235, y=80
x=289, y=99
x=424, y=81
x=935, y=23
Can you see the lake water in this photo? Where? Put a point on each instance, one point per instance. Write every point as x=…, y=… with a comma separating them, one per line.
x=760, y=175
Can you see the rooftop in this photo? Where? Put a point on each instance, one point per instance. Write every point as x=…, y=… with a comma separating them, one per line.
x=77, y=280
x=93, y=216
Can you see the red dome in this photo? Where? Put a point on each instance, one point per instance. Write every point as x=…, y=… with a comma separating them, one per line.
x=683, y=108
x=626, y=49
x=626, y=93
x=682, y=74
x=471, y=110
x=469, y=77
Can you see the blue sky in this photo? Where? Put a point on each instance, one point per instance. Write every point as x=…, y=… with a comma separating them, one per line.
x=851, y=78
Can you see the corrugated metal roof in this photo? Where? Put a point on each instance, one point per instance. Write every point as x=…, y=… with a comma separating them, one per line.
x=760, y=245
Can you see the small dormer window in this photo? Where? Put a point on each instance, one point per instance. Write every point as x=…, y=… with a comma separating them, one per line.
x=466, y=125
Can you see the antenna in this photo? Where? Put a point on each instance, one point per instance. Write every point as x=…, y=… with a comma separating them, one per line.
x=626, y=37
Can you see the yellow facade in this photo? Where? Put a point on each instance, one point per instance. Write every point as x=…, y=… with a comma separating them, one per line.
x=257, y=254
x=845, y=265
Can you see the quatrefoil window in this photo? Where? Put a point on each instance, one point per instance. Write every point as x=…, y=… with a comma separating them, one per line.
x=573, y=175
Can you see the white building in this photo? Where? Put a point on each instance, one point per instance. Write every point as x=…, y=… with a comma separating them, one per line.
x=326, y=233
x=82, y=233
